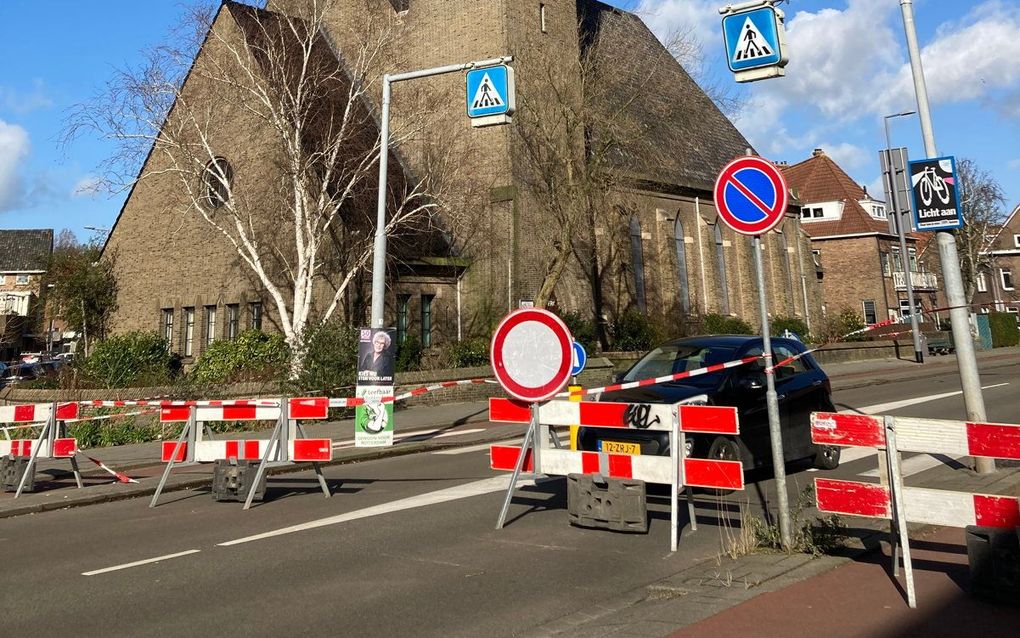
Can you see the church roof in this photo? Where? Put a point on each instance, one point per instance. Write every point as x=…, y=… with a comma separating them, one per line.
x=679, y=136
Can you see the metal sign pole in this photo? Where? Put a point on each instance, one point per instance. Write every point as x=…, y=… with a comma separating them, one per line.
x=772, y=403
x=676, y=458
x=60, y=431
x=896, y=496
x=529, y=438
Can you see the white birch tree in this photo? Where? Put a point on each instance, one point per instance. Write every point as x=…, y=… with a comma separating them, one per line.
x=305, y=226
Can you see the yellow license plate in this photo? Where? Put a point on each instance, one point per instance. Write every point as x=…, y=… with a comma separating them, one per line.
x=618, y=447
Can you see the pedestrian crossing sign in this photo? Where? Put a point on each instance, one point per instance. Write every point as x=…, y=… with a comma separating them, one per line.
x=754, y=40
x=490, y=94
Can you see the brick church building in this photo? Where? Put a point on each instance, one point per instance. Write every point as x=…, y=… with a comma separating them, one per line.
x=660, y=247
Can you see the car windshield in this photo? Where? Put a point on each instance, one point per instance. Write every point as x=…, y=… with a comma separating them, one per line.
x=674, y=358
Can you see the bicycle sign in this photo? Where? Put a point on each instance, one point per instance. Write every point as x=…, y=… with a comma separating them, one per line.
x=935, y=193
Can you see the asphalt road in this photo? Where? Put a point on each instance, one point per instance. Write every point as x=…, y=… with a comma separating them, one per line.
x=406, y=546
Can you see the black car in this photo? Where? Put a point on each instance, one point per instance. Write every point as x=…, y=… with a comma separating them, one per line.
x=802, y=388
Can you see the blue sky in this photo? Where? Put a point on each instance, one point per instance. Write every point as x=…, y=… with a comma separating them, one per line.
x=848, y=68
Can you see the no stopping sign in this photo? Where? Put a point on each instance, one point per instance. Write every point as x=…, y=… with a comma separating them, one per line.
x=531, y=354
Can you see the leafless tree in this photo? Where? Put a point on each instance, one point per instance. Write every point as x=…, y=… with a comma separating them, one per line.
x=306, y=224
x=585, y=138
x=983, y=205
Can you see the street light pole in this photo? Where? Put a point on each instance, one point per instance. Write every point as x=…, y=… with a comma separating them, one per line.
x=901, y=231
x=959, y=313
x=379, y=249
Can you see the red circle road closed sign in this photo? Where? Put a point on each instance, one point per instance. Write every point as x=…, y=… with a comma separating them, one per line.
x=751, y=195
x=531, y=354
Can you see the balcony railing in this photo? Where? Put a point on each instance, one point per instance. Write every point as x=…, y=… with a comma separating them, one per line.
x=919, y=280
x=14, y=304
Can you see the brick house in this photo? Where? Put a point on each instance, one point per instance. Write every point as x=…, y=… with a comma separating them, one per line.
x=24, y=260
x=996, y=287
x=665, y=252
x=852, y=243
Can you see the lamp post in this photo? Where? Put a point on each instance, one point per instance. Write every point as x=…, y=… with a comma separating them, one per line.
x=904, y=256
x=379, y=247
x=959, y=313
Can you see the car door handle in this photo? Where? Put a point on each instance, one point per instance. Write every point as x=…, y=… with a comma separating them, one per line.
x=817, y=383
x=780, y=397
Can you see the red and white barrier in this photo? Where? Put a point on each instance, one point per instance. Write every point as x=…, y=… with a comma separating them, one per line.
x=902, y=504
x=922, y=505
x=52, y=441
x=283, y=447
x=936, y=436
x=675, y=470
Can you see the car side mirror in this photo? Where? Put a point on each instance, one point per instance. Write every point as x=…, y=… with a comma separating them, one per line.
x=618, y=377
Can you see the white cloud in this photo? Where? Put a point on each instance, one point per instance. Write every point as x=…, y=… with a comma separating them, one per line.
x=848, y=156
x=88, y=186
x=22, y=102
x=699, y=18
x=14, y=148
x=974, y=58
x=1013, y=165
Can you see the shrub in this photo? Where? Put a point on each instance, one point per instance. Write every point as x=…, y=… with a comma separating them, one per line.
x=131, y=359
x=582, y=329
x=794, y=325
x=409, y=354
x=848, y=320
x=331, y=358
x=1004, y=329
x=469, y=353
x=633, y=331
x=254, y=355
x=715, y=324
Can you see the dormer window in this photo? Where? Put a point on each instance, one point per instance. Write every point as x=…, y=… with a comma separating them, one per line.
x=809, y=212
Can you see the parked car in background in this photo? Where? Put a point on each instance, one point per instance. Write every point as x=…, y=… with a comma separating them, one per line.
x=20, y=373
x=802, y=388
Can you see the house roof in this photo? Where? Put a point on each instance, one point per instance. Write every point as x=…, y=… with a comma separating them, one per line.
x=819, y=179
x=25, y=250
x=679, y=136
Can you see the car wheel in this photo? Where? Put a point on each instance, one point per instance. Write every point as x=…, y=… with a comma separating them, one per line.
x=724, y=449
x=827, y=457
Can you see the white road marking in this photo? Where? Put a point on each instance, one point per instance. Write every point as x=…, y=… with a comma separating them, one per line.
x=410, y=436
x=918, y=464
x=878, y=408
x=457, y=492
x=140, y=562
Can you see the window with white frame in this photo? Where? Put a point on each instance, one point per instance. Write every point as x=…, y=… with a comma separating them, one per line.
x=812, y=212
x=3, y=279
x=982, y=282
x=167, y=326
x=1006, y=277
x=189, y=332
x=1016, y=241
x=21, y=280
x=210, y=324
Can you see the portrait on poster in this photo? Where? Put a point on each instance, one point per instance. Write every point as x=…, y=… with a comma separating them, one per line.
x=376, y=356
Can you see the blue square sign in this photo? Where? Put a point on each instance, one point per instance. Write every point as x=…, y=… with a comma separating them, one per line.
x=752, y=39
x=490, y=91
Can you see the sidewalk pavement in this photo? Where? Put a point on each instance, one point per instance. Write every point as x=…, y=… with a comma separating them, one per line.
x=758, y=594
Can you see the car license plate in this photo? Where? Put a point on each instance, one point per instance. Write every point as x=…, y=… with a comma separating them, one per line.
x=619, y=447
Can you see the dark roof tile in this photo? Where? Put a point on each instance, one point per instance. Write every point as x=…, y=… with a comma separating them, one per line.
x=25, y=250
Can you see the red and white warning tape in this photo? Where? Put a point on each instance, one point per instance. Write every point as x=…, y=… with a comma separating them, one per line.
x=123, y=478
x=162, y=403
x=664, y=379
